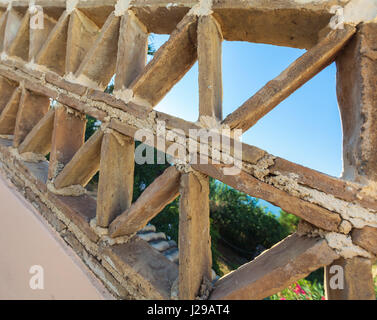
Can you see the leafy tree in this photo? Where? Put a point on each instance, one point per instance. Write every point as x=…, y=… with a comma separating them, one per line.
x=288, y=220
x=241, y=221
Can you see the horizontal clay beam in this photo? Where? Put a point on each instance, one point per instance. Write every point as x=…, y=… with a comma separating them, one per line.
x=244, y=182
x=67, y=93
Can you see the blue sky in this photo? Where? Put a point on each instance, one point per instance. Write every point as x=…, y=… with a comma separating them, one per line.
x=305, y=128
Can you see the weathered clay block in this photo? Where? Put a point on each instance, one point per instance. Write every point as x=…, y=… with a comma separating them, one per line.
x=366, y=238
x=357, y=96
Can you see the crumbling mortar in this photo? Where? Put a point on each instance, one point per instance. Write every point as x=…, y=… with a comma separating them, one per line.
x=261, y=168
x=27, y=156
x=73, y=190
x=342, y=244
x=149, y=124
x=74, y=112
x=355, y=214
x=205, y=289
x=104, y=239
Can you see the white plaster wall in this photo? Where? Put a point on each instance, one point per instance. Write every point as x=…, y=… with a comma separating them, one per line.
x=27, y=240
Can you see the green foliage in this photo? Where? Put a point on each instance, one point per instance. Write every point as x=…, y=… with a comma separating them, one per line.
x=145, y=174
x=92, y=125
x=289, y=221
x=241, y=221
x=307, y=289
x=167, y=220
x=301, y=290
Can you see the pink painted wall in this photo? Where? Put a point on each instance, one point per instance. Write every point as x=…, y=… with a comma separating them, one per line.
x=26, y=240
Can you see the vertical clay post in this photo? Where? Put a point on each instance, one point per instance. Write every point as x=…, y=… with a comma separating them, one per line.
x=210, y=67
x=195, y=260
x=116, y=178
x=357, y=96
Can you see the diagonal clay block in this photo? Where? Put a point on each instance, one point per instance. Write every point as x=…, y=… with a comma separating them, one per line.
x=169, y=65
x=132, y=51
x=245, y=182
x=7, y=88
x=84, y=164
x=99, y=63
x=40, y=137
x=155, y=197
x=195, y=258
x=39, y=36
x=53, y=52
x=82, y=33
x=366, y=238
x=9, y=114
x=275, y=269
x=20, y=45
x=116, y=179
x=31, y=110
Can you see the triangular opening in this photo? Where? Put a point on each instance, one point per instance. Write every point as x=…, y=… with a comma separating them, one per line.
x=247, y=67
x=301, y=127
x=306, y=127
x=155, y=42
x=183, y=99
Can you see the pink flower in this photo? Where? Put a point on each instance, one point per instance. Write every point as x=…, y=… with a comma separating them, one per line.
x=323, y=298
x=282, y=298
x=299, y=290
